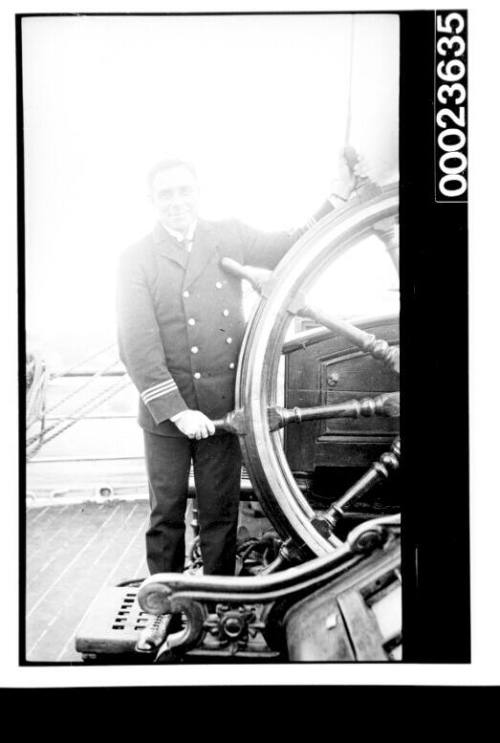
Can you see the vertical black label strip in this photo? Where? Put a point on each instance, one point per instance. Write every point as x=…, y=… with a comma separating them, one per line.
x=450, y=102
x=434, y=362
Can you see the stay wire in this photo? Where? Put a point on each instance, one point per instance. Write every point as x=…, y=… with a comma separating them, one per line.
x=347, y=138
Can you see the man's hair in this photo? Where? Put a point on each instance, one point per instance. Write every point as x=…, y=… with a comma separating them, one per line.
x=169, y=164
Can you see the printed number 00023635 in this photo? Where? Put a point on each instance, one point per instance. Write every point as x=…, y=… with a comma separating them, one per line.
x=451, y=141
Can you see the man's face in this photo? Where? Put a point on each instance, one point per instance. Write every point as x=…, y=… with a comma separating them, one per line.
x=174, y=194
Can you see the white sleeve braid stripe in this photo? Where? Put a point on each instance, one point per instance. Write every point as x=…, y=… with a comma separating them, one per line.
x=150, y=393
x=164, y=389
x=156, y=387
x=160, y=393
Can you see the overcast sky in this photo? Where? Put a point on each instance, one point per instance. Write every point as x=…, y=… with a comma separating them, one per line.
x=259, y=103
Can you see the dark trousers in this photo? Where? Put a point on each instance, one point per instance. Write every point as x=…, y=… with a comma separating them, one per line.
x=217, y=470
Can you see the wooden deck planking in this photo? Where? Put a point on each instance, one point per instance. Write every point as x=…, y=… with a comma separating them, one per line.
x=37, y=515
x=76, y=534
x=59, y=583
x=47, y=537
x=103, y=544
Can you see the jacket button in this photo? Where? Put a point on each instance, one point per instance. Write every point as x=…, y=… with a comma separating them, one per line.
x=229, y=340
x=194, y=349
x=218, y=284
x=231, y=365
x=191, y=321
x=185, y=294
x=197, y=375
x=225, y=313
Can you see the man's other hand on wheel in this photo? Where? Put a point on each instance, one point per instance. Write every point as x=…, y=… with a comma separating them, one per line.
x=194, y=424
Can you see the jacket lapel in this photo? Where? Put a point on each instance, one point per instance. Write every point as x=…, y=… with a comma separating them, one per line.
x=168, y=246
x=204, y=246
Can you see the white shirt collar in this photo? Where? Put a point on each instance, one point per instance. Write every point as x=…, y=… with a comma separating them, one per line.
x=179, y=236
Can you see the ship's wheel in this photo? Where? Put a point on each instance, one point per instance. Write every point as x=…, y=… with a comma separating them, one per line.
x=258, y=417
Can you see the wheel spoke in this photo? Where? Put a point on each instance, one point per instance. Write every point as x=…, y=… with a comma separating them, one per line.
x=366, y=342
x=380, y=471
x=386, y=404
x=257, y=277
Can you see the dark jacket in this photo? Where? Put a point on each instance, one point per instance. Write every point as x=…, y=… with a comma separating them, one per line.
x=180, y=317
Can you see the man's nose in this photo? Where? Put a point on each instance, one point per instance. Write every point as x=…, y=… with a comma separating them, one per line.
x=178, y=198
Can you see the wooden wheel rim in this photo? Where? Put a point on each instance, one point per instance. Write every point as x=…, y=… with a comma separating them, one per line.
x=273, y=481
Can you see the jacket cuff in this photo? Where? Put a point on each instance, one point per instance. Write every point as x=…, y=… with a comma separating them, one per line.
x=164, y=401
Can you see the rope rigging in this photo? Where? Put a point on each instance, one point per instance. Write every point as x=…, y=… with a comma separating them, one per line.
x=350, y=154
x=347, y=137
x=77, y=415
x=36, y=441
x=93, y=356
x=86, y=384
x=363, y=184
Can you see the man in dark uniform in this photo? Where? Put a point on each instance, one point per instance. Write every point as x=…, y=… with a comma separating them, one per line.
x=181, y=325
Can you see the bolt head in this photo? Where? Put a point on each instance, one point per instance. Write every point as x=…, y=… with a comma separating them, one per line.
x=332, y=379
